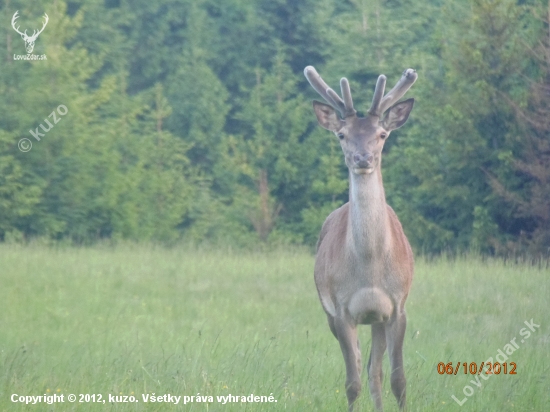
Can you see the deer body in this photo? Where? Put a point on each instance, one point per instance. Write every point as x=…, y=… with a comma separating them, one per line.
x=364, y=263
x=350, y=282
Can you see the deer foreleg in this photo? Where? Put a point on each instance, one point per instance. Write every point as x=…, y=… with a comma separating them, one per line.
x=331, y=325
x=347, y=337
x=395, y=333
x=374, y=367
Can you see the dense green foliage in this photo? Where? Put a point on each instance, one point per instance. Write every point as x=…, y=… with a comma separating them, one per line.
x=191, y=119
x=142, y=320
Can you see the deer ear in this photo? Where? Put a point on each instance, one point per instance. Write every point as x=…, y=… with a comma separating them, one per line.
x=397, y=115
x=327, y=117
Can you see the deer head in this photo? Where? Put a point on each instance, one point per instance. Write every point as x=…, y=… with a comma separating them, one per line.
x=29, y=40
x=362, y=138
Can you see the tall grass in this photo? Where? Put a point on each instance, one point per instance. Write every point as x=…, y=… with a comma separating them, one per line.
x=136, y=320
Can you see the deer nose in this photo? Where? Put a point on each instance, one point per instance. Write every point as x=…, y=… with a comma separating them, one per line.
x=363, y=160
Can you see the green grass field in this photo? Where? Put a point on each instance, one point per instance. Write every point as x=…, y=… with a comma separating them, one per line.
x=138, y=320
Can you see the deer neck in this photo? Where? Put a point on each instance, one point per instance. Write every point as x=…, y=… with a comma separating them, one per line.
x=368, y=215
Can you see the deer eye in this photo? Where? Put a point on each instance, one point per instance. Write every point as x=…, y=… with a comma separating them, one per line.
x=383, y=135
x=340, y=136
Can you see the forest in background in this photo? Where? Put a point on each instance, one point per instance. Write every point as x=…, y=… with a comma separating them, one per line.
x=191, y=120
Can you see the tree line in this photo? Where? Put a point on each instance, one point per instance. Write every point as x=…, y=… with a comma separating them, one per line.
x=191, y=119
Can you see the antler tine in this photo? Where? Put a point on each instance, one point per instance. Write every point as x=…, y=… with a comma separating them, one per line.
x=378, y=94
x=13, y=19
x=407, y=80
x=35, y=32
x=346, y=94
x=336, y=101
x=45, y=23
x=330, y=96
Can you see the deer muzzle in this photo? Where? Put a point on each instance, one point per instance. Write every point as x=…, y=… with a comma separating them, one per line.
x=363, y=163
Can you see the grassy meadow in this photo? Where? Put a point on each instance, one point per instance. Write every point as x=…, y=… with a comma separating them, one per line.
x=134, y=320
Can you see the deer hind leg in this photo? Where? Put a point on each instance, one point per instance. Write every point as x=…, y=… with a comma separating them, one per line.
x=347, y=337
x=395, y=333
x=374, y=365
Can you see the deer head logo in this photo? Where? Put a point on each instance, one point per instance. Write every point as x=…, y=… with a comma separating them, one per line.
x=29, y=40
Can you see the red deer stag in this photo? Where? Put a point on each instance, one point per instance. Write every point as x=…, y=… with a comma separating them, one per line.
x=364, y=263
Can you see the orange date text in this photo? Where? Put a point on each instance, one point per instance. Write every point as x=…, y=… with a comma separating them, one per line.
x=474, y=368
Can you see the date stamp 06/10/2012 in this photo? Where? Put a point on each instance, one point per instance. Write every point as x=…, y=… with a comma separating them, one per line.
x=490, y=368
